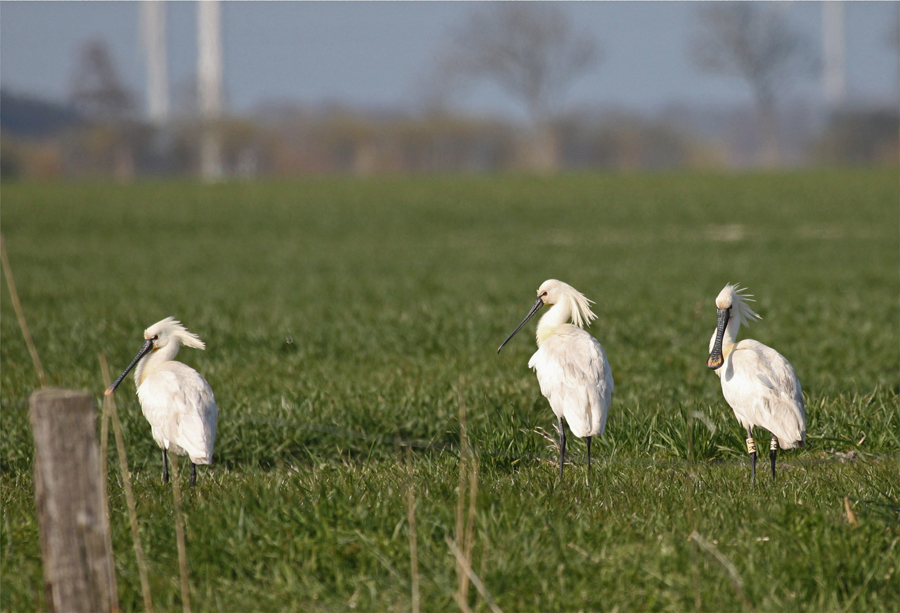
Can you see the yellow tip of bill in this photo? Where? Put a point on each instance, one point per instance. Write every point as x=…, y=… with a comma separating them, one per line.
x=715, y=362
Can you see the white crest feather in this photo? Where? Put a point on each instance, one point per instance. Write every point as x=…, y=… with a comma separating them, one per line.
x=582, y=314
x=739, y=298
x=176, y=332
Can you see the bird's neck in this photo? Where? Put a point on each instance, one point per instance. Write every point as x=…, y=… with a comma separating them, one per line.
x=152, y=361
x=559, y=314
x=730, y=336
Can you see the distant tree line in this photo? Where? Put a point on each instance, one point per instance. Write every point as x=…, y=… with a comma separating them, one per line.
x=39, y=139
x=529, y=50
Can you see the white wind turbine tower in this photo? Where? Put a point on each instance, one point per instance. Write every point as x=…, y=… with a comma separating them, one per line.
x=153, y=34
x=209, y=86
x=833, y=51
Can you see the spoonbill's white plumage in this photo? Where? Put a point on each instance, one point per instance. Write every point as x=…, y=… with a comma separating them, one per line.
x=757, y=381
x=175, y=398
x=570, y=364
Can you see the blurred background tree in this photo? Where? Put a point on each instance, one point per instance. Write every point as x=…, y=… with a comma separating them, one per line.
x=529, y=50
x=753, y=41
x=112, y=137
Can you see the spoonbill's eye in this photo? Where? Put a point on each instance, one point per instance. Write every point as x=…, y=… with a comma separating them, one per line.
x=544, y=294
x=155, y=337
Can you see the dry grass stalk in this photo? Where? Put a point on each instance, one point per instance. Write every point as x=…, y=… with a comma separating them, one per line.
x=594, y=559
x=736, y=581
x=104, y=436
x=851, y=516
x=464, y=536
x=413, y=547
x=20, y=314
x=459, y=530
x=469, y=540
x=104, y=471
x=467, y=568
x=110, y=411
x=463, y=605
x=179, y=537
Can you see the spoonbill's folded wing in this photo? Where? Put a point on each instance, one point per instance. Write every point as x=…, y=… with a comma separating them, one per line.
x=760, y=383
x=179, y=403
x=575, y=377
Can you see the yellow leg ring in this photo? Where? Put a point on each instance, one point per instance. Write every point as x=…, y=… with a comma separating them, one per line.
x=751, y=445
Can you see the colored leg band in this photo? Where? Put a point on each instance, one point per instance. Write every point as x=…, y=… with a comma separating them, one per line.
x=751, y=446
x=773, y=444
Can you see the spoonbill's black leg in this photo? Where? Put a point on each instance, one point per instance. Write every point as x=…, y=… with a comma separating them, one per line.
x=773, y=453
x=751, y=449
x=562, y=446
x=165, y=467
x=193, y=474
x=589, y=451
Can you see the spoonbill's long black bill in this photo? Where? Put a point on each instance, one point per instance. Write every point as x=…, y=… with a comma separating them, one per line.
x=537, y=307
x=145, y=349
x=715, y=356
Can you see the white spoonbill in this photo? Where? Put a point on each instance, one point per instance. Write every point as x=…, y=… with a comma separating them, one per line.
x=175, y=398
x=757, y=381
x=571, y=365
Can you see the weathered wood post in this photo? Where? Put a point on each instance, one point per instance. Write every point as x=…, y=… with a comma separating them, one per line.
x=79, y=574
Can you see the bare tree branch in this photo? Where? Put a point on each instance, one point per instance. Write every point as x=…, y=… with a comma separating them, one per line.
x=97, y=91
x=530, y=50
x=753, y=41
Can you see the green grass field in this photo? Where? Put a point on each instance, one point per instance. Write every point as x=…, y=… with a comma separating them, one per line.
x=345, y=317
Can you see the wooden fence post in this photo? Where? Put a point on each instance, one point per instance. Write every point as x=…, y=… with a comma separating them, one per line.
x=79, y=573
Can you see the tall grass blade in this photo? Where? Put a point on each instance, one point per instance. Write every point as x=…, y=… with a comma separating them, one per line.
x=179, y=537
x=20, y=313
x=109, y=408
x=467, y=568
x=413, y=546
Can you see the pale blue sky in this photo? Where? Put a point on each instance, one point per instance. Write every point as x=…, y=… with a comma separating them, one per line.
x=370, y=53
